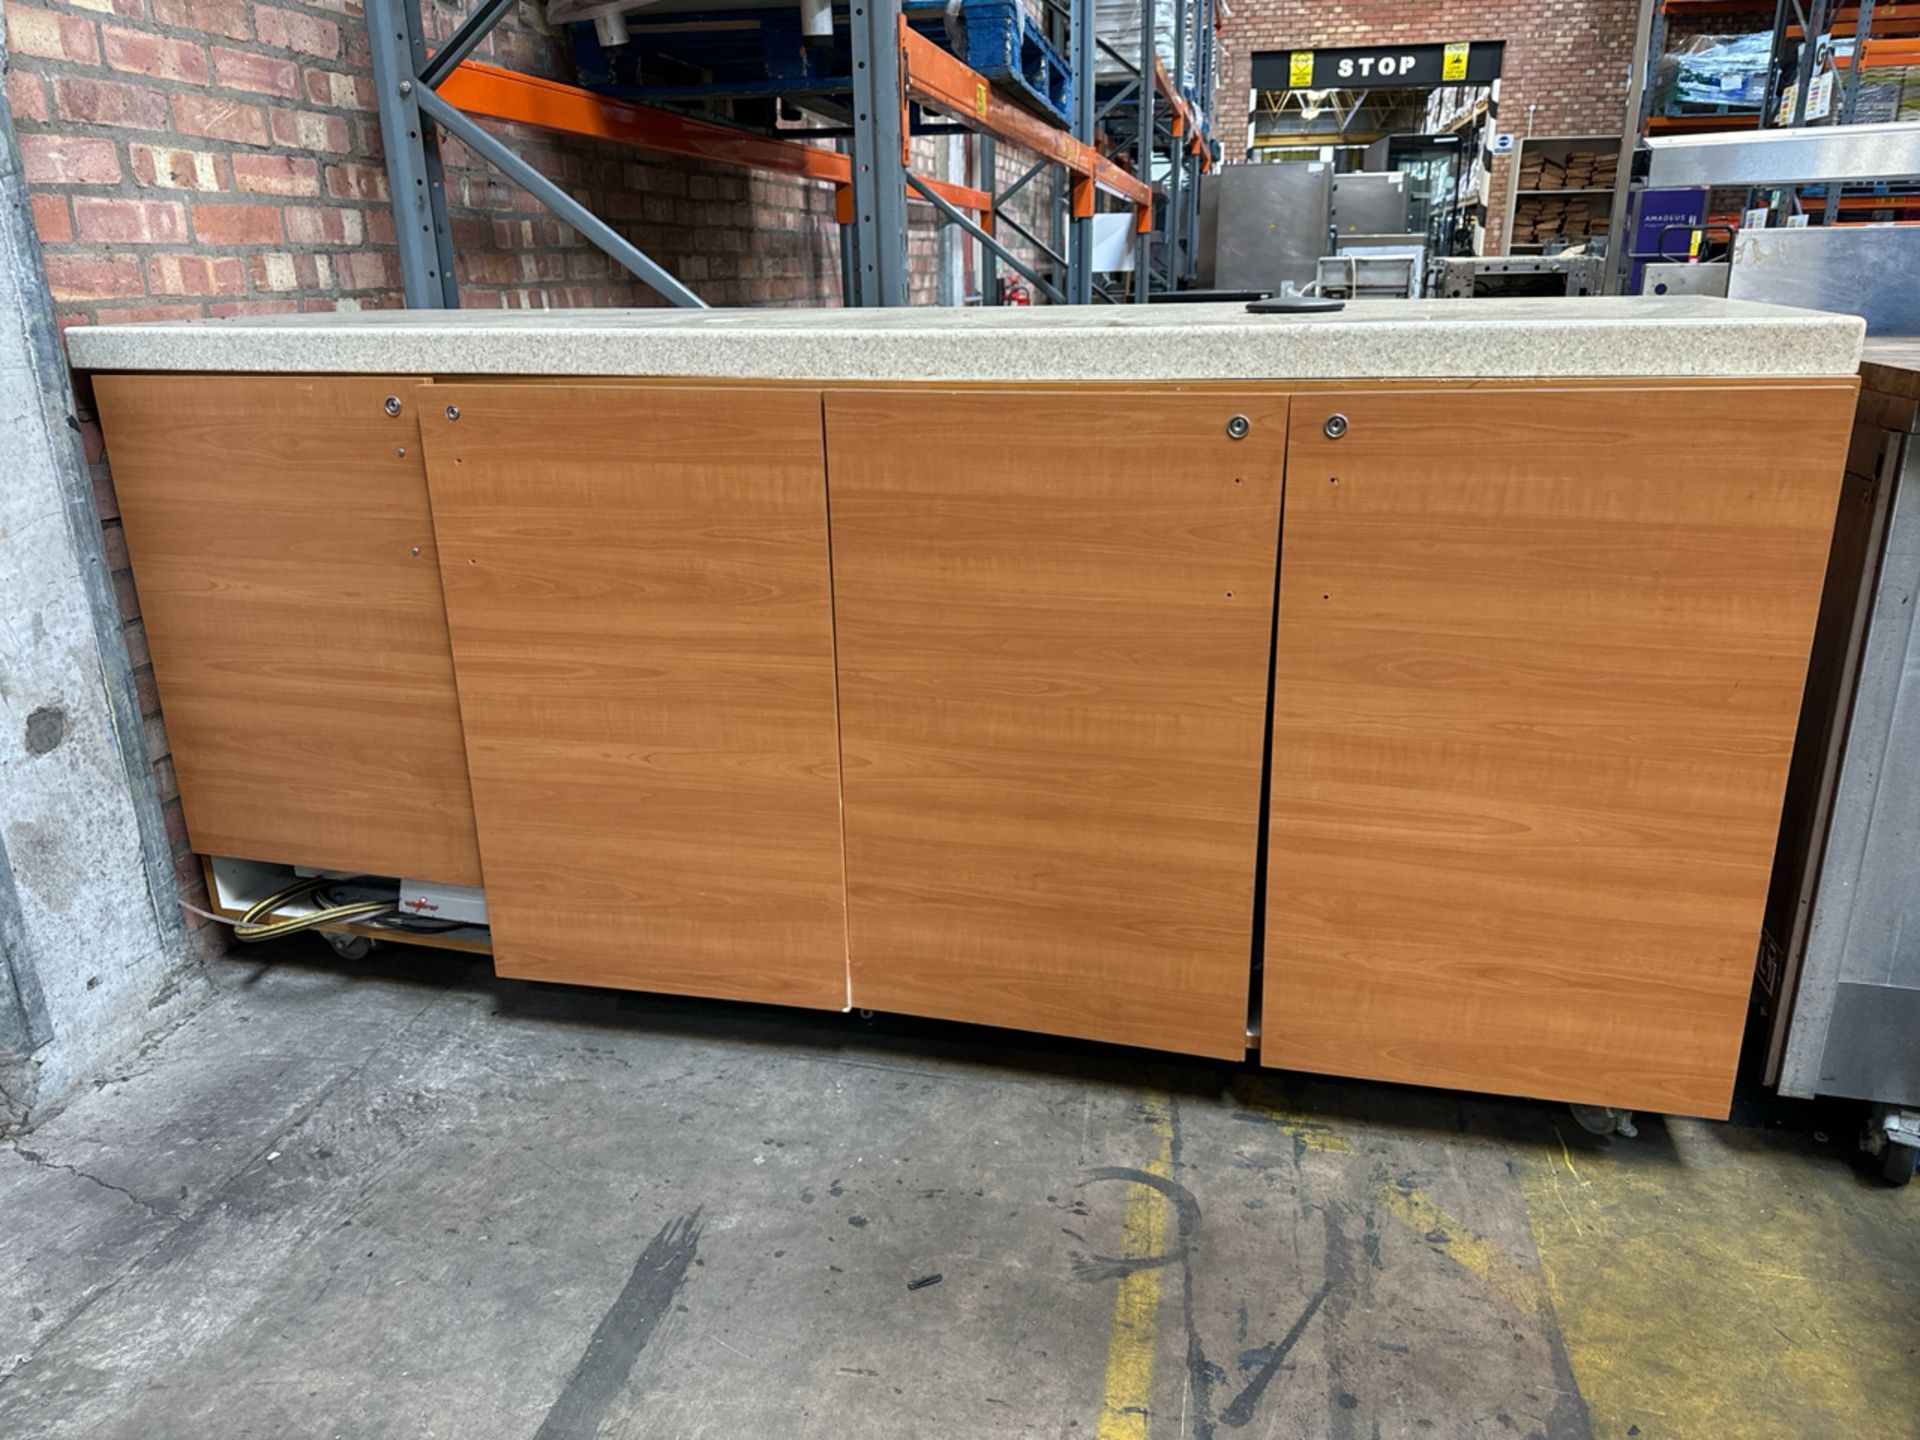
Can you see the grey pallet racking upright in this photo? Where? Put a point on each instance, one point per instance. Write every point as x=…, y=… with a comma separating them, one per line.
x=895, y=73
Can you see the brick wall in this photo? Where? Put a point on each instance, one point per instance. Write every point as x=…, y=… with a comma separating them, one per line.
x=191, y=158
x=1568, y=58
x=222, y=157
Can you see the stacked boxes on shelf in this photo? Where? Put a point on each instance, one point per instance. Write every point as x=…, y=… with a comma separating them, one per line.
x=1562, y=194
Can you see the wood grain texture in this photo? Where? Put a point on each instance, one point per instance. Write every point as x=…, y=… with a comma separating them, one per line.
x=282, y=546
x=638, y=591
x=1053, y=617
x=1538, y=663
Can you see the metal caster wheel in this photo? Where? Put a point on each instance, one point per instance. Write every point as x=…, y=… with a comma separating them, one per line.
x=1897, y=1163
x=1604, y=1120
x=1893, y=1138
x=350, y=947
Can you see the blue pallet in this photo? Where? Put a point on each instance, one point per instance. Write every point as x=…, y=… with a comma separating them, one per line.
x=1004, y=44
x=767, y=58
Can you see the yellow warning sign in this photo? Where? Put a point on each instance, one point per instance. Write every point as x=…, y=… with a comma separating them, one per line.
x=1300, y=69
x=980, y=100
x=1453, y=62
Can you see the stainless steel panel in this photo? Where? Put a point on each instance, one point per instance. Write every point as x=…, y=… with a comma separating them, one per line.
x=1873, y=1045
x=1264, y=225
x=1666, y=278
x=1867, y=270
x=1370, y=203
x=1458, y=276
x=1865, y=927
x=1778, y=157
x=1360, y=276
x=1412, y=246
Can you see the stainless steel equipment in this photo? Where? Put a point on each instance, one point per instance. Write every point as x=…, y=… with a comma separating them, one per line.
x=1410, y=245
x=1370, y=203
x=1264, y=225
x=1840, y=966
x=1360, y=276
x=1868, y=270
x=1461, y=277
x=1679, y=277
x=1782, y=157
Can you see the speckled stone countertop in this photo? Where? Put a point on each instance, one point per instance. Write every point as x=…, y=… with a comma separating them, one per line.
x=1379, y=339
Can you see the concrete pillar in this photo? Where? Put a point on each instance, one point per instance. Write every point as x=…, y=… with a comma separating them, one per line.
x=93, y=954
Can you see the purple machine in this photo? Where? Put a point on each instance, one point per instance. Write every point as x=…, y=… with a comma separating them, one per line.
x=1654, y=214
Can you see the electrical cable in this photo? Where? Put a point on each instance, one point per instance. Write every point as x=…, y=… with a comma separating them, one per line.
x=251, y=926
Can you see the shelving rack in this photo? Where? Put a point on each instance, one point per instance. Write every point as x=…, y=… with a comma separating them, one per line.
x=898, y=80
x=1876, y=35
x=1596, y=199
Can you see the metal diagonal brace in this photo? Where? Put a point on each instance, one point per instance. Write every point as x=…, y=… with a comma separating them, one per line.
x=1017, y=186
x=555, y=199
x=465, y=41
x=1131, y=67
x=955, y=217
x=1031, y=238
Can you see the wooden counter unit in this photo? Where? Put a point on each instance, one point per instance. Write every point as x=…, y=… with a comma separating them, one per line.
x=283, y=549
x=960, y=666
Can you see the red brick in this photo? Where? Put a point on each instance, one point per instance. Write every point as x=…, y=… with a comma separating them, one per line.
x=369, y=270
x=110, y=102
x=155, y=55
x=163, y=168
x=343, y=92
x=309, y=130
x=165, y=783
x=227, y=309
x=27, y=97
x=243, y=70
x=146, y=692
x=113, y=539
x=110, y=221
x=51, y=36
x=124, y=9
x=356, y=182
x=171, y=812
x=148, y=314
x=212, y=118
x=312, y=225
x=52, y=220
x=276, y=174
x=126, y=595
x=69, y=160
x=213, y=17
x=236, y=224
x=291, y=30
x=195, y=275
x=278, y=271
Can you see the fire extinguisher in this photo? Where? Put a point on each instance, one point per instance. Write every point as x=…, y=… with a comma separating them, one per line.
x=1012, y=292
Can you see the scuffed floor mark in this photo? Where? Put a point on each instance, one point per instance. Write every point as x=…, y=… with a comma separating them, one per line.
x=623, y=1332
x=35, y=1158
x=1726, y=1282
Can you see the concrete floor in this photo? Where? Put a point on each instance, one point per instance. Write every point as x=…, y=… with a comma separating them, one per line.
x=400, y=1199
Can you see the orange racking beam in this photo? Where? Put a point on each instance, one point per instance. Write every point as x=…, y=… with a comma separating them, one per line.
x=1184, y=125
x=1888, y=20
x=498, y=94
x=937, y=80
x=1884, y=52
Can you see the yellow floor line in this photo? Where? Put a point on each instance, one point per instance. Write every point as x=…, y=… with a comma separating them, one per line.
x=1485, y=1262
x=1134, y=1333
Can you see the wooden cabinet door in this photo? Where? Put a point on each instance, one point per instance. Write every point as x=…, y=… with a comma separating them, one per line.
x=638, y=593
x=1538, y=662
x=282, y=547
x=1054, y=613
